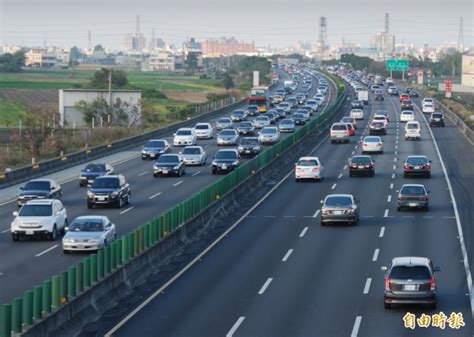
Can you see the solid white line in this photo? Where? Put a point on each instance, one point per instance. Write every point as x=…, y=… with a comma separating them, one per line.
x=205, y=251
x=235, y=327
x=345, y=167
x=340, y=176
x=265, y=286
x=8, y=202
x=385, y=214
x=127, y=210
x=143, y=173
x=367, y=285
x=458, y=220
x=353, y=152
x=394, y=167
x=6, y=230
x=393, y=175
x=47, y=250
x=391, y=186
x=178, y=183
x=154, y=196
x=376, y=255
x=287, y=255
x=355, y=329
x=316, y=213
x=389, y=198
x=195, y=174
x=382, y=232
x=333, y=186
x=303, y=232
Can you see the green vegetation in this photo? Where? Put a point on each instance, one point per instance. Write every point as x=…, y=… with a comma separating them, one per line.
x=11, y=112
x=12, y=62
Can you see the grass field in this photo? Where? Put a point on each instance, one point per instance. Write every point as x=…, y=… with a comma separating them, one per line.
x=11, y=112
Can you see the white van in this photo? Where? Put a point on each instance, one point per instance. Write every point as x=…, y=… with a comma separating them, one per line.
x=339, y=133
x=412, y=130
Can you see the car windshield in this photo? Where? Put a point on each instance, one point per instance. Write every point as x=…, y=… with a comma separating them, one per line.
x=428, y=104
x=356, y=110
x=308, y=162
x=416, y=160
x=36, y=210
x=252, y=107
x=226, y=155
x=262, y=119
x=249, y=141
x=284, y=104
x=227, y=133
x=410, y=273
x=87, y=225
x=361, y=160
x=106, y=183
x=383, y=113
x=372, y=140
x=339, y=201
x=201, y=127
x=348, y=119
x=339, y=127
x=224, y=121
x=413, y=126
x=246, y=125
x=298, y=116
x=95, y=168
x=191, y=150
x=38, y=186
x=238, y=113
x=155, y=143
x=168, y=159
x=311, y=102
x=269, y=131
x=286, y=121
x=412, y=190
x=183, y=133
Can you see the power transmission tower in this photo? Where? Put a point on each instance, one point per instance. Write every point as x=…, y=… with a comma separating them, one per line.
x=387, y=23
x=89, y=39
x=461, y=35
x=322, y=35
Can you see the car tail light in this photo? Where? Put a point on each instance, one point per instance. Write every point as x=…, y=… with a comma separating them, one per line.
x=432, y=284
x=379, y=144
x=388, y=284
x=354, y=165
x=406, y=166
x=403, y=198
x=365, y=145
x=424, y=198
x=368, y=166
x=316, y=168
x=426, y=167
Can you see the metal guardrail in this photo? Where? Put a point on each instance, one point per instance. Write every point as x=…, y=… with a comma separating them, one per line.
x=36, y=304
x=63, y=162
x=461, y=125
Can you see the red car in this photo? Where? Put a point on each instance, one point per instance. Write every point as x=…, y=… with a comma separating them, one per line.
x=351, y=129
x=404, y=97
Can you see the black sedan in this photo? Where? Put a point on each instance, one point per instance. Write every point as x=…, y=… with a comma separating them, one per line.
x=249, y=147
x=361, y=165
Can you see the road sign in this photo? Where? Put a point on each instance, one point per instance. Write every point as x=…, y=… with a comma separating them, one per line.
x=448, y=94
x=398, y=65
x=448, y=85
x=420, y=77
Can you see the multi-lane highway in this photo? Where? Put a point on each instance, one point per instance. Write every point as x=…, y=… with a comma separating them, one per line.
x=280, y=273
x=28, y=263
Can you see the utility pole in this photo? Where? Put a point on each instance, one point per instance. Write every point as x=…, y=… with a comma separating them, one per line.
x=110, y=95
x=461, y=36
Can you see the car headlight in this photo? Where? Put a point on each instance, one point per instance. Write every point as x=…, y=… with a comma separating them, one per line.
x=176, y=167
x=235, y=162
x=114, y=193
x=68, y=240
x=241, y=148
x=90, y=194
x=214, y=163
x=93, y=241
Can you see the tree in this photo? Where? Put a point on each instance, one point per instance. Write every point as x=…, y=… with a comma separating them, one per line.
x=75, y=54
x=97, y=109
x=99, y=48
x=191, y=63
x=228, y=81
x=12, y=62
x=100, y=79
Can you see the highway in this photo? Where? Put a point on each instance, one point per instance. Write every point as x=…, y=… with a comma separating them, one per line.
x=30, y=262
x=280, y=273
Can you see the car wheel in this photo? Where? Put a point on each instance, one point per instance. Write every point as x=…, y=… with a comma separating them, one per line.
x=15, y=237
x=405, y=175
x=184, y=171
x=155, y=175
x=143, y=158
x=129, y=198
x=332, y=141
x=323, y=223
x=90, y=205
x=428, y=175
x=387, y=305
x=63, y=231
x=54, y=234
x=399, y=209
x=119, y=203
x=213, y=171
x=372, y=174
x=426, y=208
x=351, y=174
x=65, y=251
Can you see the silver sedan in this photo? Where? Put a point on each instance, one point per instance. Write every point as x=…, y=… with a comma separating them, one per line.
x=89, y=233
x=227, y=137
x=194, y=155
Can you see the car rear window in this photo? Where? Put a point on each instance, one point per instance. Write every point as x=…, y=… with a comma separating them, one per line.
x=372, y=140
x=202, y=127
x=416, y=160
x=338, y=201
x=437, y=116
x=412, y=190
x=410, y=273
x=407, y=113
x=339, y=127
x=360, y=160
x=308, y=162
x=413, y=126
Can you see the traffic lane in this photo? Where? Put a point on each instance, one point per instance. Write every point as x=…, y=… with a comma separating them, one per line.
x=130, y=220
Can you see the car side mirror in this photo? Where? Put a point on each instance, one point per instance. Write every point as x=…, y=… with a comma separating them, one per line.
x=89, y=185
x=21, y=188
x=109, y=226
x=436, y=269
x=52, y=188
x=429, y=191
x=15, y=213
x=430, y=161
x=174, y=134
x=66, y=229
x=321, y=202
x=384, y=268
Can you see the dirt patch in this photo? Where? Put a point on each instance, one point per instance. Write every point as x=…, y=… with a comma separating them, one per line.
x=189, y=96
x=33, y=98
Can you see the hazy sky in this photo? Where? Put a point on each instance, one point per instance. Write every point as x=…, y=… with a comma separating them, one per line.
x=275, y=22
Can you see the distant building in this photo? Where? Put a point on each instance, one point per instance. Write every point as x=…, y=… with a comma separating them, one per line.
x=40, y=58
x=385, y=43
x=70, y=117
x=226, y=47
x=11, y=49
x=161, y=61
x=467, y=77
x=193, y=47
x=135, y=42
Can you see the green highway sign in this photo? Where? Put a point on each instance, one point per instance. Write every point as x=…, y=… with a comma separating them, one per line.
x=398, y=65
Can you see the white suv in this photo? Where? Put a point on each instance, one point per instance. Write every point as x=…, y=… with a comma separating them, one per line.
x=309, y=168
x=39, y=218
x=184, y=136
x=412, y=130
x=203, y=130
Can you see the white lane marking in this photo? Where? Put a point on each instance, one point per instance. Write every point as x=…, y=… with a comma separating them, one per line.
x=6, y=230
x=382, y=232
x=269, y=216
x=396, y=152
x=205, y=251
x=395, y=159
x=178, y=183
x=316, y=213
x=376, y=255
x=289, y=216
x=265, y=286
x=391, y=186
x=333, y=186
x=396, y=147
x=235, y=327
x=355, y=329
x=340, y=176
x=367, y=285
x=458, y=220
x=396, y=142
x=287, y=255
x=143, y=173
x=154, y=196
x=8, y=202
x=389, y=198
x=385, y=214
x=303, y=232
x=393, y=175
x=345, y=167
x=127, y=210
x=449, y=217
x=46, y=250
x=428, y=217
x=394, y=167
x=195, y=174
x=355, y=148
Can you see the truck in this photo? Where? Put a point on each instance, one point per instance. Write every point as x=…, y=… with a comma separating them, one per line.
x=363, y=95
x=259, y=96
